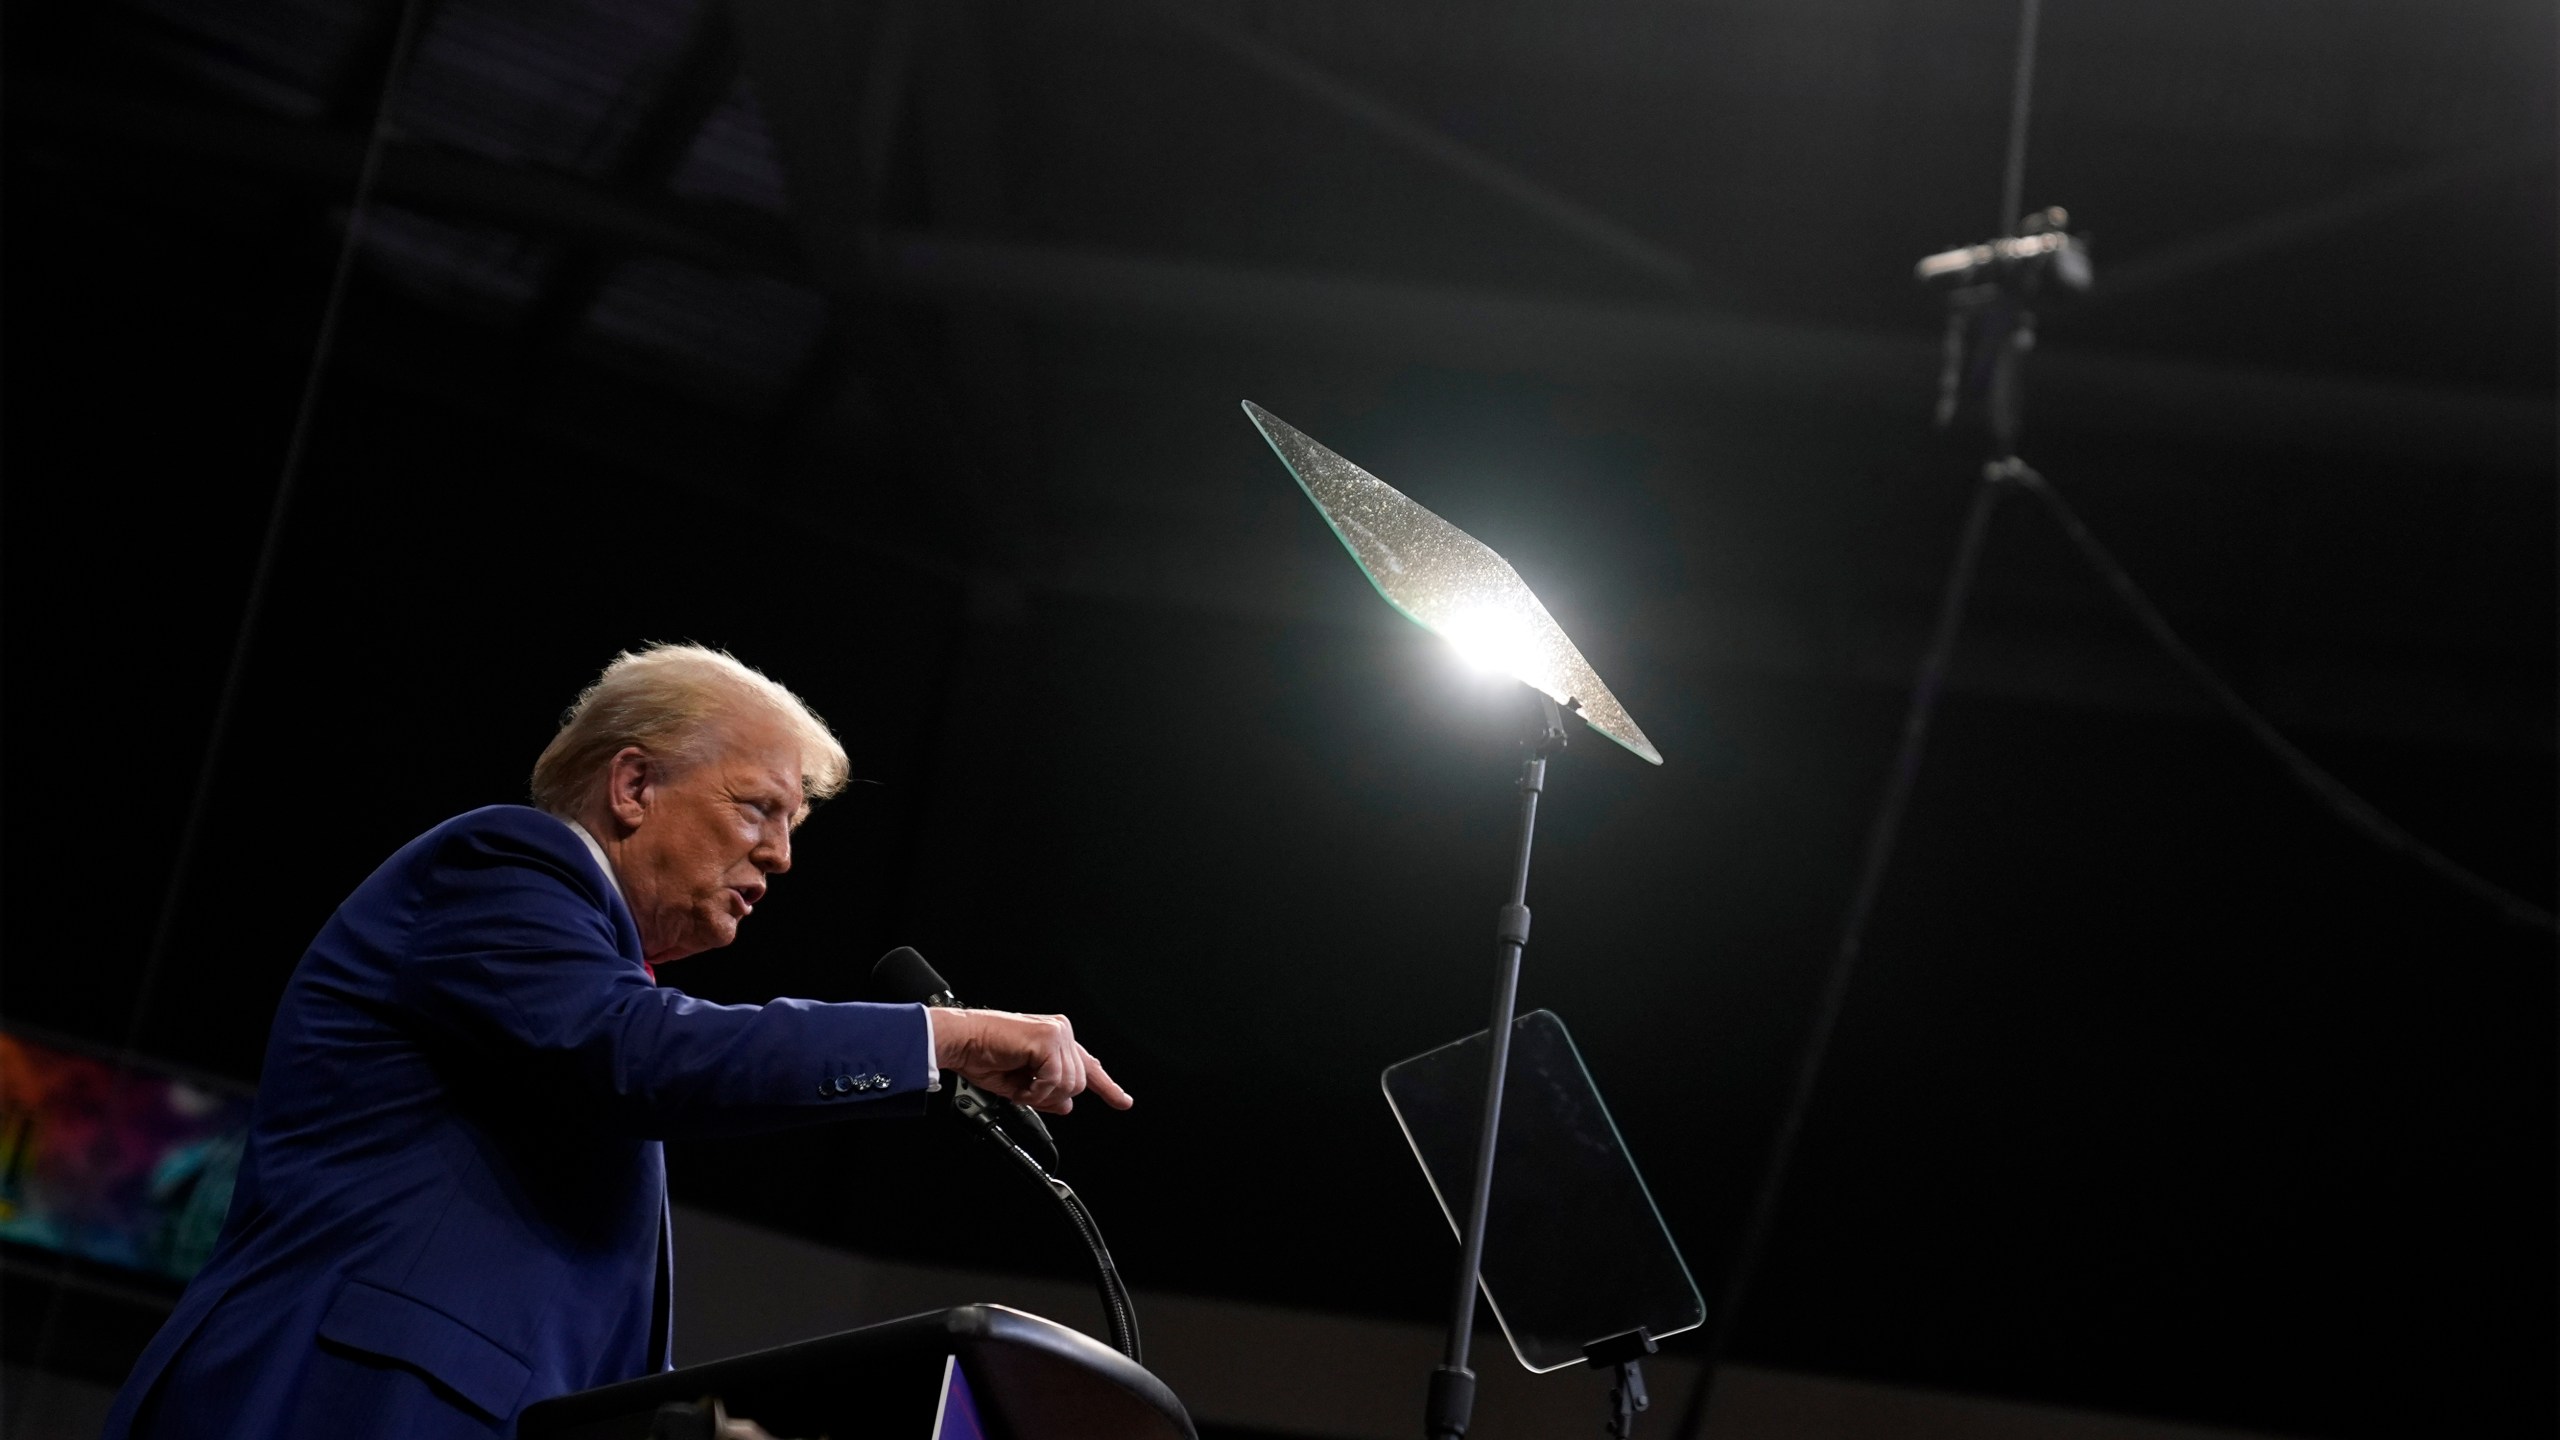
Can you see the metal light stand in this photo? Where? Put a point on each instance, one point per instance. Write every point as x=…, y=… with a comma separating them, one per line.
x=1452, y=1400
x=1991, y=326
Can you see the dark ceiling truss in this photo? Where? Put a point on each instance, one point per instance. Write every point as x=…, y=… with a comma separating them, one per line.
x=1530, y=196
x=354, y=87
x=877, y=44
x=2295, y=225
x=838, y=144
x=702, y=77
x=920, y=104
x=1569, y=336
x=905, y=256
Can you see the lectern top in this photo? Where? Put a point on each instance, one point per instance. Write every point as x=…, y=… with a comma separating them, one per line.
x=1033, y=1379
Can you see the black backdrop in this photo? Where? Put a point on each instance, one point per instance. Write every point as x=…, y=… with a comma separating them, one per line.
x=2159, y=1091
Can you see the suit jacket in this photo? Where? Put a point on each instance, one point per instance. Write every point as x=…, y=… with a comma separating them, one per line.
x=453, y=1202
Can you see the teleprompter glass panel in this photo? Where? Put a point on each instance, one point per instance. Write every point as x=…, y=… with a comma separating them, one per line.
x=1574, y=1251
x=1449, y=582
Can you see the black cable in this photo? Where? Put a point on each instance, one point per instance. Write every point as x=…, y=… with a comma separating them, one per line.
x=2354, y=809
x=261, y=577
x=226, y=704
x=1882, y=832
x=2350, y=807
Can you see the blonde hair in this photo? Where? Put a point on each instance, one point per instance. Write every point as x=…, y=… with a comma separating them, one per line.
x=670, y=700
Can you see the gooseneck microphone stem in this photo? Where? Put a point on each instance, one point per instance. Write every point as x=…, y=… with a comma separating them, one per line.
x=1450, y=1405
x=902, y=975
x=1117, y=1312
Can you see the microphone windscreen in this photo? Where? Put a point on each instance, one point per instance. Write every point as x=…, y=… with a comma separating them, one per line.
x=903, y=977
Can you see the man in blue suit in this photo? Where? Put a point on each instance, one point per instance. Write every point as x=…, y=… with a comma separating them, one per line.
x=453, y=1202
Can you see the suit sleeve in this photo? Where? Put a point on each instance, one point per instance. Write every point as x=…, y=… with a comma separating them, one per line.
x=513, y=959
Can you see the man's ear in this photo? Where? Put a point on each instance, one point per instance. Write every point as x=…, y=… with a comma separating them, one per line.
x=629, y=778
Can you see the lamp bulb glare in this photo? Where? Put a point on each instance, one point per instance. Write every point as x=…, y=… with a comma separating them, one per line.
x=1488, y=642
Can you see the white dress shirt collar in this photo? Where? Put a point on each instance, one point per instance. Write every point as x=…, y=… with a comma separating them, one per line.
x=603, y=864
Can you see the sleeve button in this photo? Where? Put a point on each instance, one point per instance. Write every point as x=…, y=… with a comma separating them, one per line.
x=844, y=1084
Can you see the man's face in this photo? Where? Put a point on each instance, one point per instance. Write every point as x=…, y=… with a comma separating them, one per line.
x=699, y=843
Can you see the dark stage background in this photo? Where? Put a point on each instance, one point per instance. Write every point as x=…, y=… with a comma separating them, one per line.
x=897, y=349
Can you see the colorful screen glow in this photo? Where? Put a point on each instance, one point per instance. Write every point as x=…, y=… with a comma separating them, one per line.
x=131, y=1168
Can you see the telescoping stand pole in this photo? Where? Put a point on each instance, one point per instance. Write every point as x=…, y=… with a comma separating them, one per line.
x=1452, y=1400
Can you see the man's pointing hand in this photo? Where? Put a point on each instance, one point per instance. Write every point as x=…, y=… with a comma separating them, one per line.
x=1033, y=1060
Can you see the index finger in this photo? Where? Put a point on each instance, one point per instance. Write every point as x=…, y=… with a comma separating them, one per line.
x=1099, y=1081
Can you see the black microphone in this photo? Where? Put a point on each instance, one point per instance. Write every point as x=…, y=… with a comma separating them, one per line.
x=903, y=976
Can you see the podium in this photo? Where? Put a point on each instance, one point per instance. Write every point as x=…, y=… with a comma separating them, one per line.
x=1031, y=1379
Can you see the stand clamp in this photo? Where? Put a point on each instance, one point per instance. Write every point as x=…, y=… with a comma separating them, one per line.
x=1991, y=318
x=1627, y=1397
x=1451, y=1404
